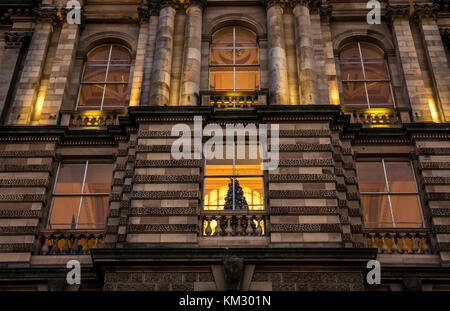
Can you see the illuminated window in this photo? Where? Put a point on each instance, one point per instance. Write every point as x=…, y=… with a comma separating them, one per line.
x=389, y=195
x=80, y=196
x=234, y=60
x=365, y=77
x=234, y=183
x=104, y=84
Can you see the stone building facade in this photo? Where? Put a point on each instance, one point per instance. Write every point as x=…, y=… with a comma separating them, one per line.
x=87, y=170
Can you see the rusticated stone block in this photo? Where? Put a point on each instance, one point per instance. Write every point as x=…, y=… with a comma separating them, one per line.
x=305, y=228
x=162, y=228
x=302, y=194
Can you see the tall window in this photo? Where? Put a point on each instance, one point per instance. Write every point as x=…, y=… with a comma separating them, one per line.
x=365, y=77
x=80, y=196
x=234, y=183
x=389, y=195
x=234, y=60
x=104, y=84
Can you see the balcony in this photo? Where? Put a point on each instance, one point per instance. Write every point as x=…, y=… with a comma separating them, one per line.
x=378, y=117
x=229, y=99
x=400, y=241
x=89, y=118
x=70, y=242
x=233, y=223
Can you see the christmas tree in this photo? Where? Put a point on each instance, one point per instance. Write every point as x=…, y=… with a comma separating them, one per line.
x=239, y=200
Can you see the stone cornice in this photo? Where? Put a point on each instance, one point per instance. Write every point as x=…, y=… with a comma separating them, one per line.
x=425, y=11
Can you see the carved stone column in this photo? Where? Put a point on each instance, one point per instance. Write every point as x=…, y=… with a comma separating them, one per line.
x=435, y=51
x=305, y=53
x=291, y=57
x=162, y=61
x=190, y=83
x=278, y=77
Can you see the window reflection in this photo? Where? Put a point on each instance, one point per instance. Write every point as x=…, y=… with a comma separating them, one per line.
x=389, y=195
x=234, y=60
x=104, y=84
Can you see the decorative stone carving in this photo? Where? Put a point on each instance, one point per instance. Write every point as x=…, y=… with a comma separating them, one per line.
x=17, y=39
x=234, y=269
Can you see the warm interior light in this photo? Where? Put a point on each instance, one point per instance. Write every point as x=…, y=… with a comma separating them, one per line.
x=433, y=110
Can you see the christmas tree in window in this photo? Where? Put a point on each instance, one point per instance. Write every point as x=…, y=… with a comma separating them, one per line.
x=239, y=200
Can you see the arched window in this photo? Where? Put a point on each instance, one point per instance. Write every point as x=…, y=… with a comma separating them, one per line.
x=365, y=77
x=104, y=84
x=234, y=60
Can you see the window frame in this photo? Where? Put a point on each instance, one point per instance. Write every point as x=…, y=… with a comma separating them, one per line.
x=365, y=80
x=234, y=65
x=80, y=195
x=388, y=193
x=234, y=177
x=105, y=83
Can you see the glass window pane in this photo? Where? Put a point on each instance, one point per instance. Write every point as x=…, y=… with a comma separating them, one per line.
x=118, y=73
x=98, y=178
x=64, y=213
x=406, y=211
x=224, y=36
x=370, y=51
x=351, y=71
x=93, y=212
x=247, y=78
x=120, y=53
x=244, y=35
x=216, y=190
x=376, y=211
x=376, y=71
x=222, y=57
x=246, y=56
x=354, y=94
x=248, y=159
x=94, y=72
x=400, y=177
x=100, y=54
x=90, y=96
x=70, y=178
x=115, y=96
x=221, y=78
x=350, y=52
x=371, y=177
x=379, y=94
x=252, y=189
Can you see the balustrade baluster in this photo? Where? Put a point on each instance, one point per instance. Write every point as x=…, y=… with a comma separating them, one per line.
x=394, y=247
x=65, y=249
x=384, y=246
x=74, y=249
x=244, y=225
x=259, y=228
x=414, y=243
x=223, y=225
x=208, y=227
x=55, y=248
x=85, y=248
x=425, y=246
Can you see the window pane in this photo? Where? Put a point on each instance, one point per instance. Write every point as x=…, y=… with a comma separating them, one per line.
x=64, y=213
x=247, y=78
x=222, y=57
x=90, y=96
x=351, y=71
x=376, y=71
x=223, y=36
x=221, y=78
x=216, y=190
x=253, y=192
x=406, y=211
x=370, y=51
x=247, y=56
x=379, y=94
x=115, y=96
x=350, y=52
x=94, y=73
x=244, y=36
x=400, y=177
x=120, y=53
x=100, y=54
x=93, y=212
x=376, y=211
x=70, y=178
x=98, y=178
x=248, y=160
x=118, y=73
x=371, y=177
x=354, y=94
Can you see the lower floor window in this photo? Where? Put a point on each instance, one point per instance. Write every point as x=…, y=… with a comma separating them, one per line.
x=389, y=194
x=80, y=196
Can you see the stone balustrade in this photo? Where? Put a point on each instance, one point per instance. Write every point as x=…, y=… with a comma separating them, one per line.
x=233, y=223
x=400, y=241
x=70, y=242
x=94, y=118
x=378, y=116
x=233, y=100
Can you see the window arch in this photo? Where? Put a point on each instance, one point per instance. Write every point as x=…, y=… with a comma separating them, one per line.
x=366, y=82
x=234, y=60
x=104, y=83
